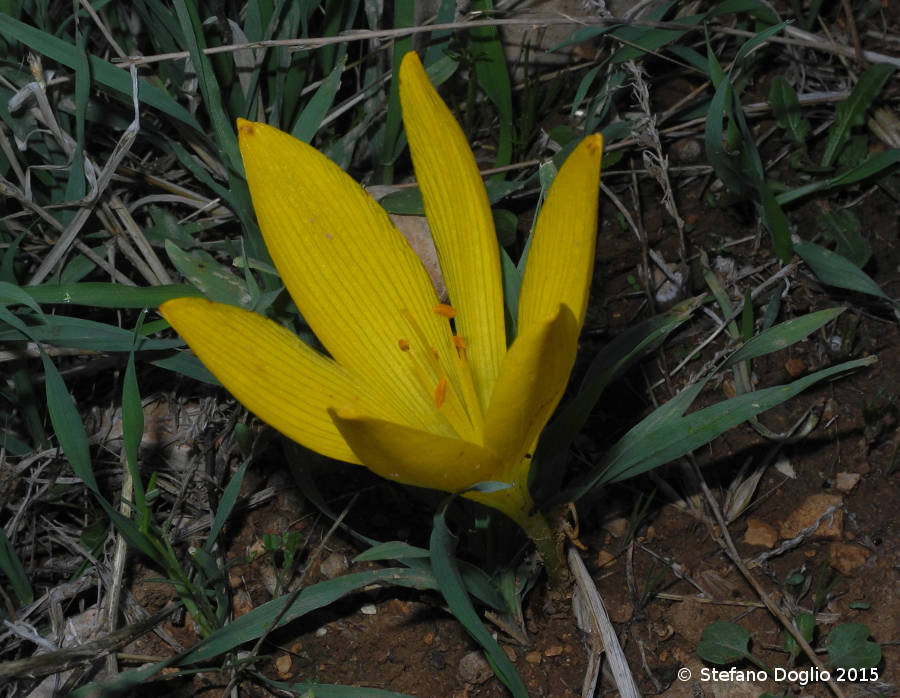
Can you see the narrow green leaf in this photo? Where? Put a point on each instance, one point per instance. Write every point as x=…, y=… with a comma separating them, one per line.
x=450, y=583
x=252, y=625
x=667, y=434
x=843, y=227
x=394, y=139
x=222, y=124
x=835, y=270
x=786, y=107
x=10, y=294
x=103, y=72
x=187, y=365
x=852, y=111
x=392, y=550
x=78, y=333
x=215, y=281
x=132, y=432
x=12, y=567
x=317, y=108
x=867, y=168
x=609, y=363
x=782, y=335
x=493, y=76
x=102, y=294
x=226, y=505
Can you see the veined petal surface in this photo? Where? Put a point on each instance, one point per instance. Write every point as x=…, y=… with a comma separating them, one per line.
x=459, y=215
x=349, y=270
x=532, y=381
x=560, y=260
x=273, y=373
x=414, y=457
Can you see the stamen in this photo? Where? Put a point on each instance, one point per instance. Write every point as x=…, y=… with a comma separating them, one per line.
x=425, y=360
x=459, y=342
x=440, y=393
x=445, y=310
x=403, y=344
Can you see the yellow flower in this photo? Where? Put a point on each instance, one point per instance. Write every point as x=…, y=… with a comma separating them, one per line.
x=419, y=392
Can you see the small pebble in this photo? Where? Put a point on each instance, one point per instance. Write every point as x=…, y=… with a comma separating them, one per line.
x=368, y=610
x=283, y=665
x=534, y=657
x=554, y=651
x=334, y=565
x=474, y=669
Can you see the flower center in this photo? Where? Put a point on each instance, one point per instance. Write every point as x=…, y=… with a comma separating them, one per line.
x=452, y=388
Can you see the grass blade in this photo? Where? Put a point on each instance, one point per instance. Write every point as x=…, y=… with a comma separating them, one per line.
x=102, y=72
x=783, y=335
x=450, y=583
x=835, y=270
x=493, y=76
x=12, y=567
x=852, y=111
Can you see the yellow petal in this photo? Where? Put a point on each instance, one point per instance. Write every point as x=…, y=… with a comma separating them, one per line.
x=348, y=269
x=272, y=372
x=532, y=381
x=415, y=457
x=560, y=260
x=459, y=215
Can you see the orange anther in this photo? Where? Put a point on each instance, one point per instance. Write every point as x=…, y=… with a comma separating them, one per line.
x=403, y=344
x=440, y=392
x=459, y=342
x=445, y=311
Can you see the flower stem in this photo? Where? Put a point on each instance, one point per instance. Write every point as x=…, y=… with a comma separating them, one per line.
x=546, y=542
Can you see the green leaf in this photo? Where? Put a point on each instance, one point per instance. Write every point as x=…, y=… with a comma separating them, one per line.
x=450, y=583
x=786, y=107
x=10, y=294
x=226, y=505
x=317, y=108
x=254, y=624
x=187, y=365
x=408, y=202
x=101, y=294
x=102, y=72
x=723, y=643
x=852, y=111
x=836, y=270
x=610, y=362
x=493, y=76
x=75, y=332
x=392, y=550
x=667, y=433
x=782, y=335
x=806, y=624
x=212, y=279
x=843, y=227
x=867, y=168
x=132, y=432
x=849, y=647
x=222, y=124
x=12, y=567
